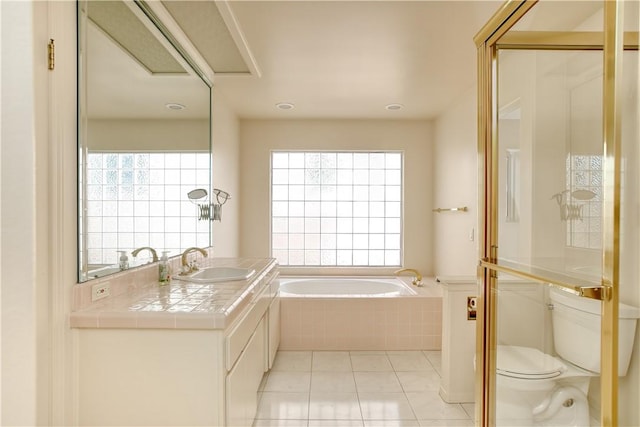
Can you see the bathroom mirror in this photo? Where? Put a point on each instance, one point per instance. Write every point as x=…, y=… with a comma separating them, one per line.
x=144, y=139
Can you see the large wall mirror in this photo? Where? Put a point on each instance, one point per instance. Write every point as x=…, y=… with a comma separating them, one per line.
x=144, y=140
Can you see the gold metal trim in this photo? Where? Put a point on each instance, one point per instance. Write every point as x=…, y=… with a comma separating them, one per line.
x=496, y=22
x=488, y=185
x=613, y=49
x=594, y=292
x=587, y=291
x=483, y=375
x=51, y=54
x=561, y=40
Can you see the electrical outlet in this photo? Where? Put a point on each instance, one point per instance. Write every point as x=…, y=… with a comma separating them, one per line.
x=99, y=291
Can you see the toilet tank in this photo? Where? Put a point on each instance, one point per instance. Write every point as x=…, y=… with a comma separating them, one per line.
x=576, y=330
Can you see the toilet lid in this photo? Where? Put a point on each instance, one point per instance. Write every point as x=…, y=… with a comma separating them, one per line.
x=527, y=363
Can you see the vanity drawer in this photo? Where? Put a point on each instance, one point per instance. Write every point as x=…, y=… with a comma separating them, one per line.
x=240, y=334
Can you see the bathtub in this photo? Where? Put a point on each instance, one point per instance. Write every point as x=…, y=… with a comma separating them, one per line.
x=364, y=313
x=341, y=287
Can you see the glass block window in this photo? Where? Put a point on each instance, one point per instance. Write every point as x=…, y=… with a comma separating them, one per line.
x=336, y=208
x=582, y=202
x=140, y=199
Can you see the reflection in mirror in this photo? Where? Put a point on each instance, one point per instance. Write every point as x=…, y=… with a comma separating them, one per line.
x=144, y=141
x=197, y=194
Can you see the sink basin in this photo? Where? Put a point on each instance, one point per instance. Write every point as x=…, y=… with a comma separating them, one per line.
x=218, y=274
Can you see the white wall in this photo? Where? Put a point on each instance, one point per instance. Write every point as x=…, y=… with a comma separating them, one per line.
x=455, y=170
x=226, y=176
x=259, y=137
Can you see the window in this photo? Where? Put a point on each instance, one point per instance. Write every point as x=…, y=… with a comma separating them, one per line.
x=336, y=208
x=139, y=199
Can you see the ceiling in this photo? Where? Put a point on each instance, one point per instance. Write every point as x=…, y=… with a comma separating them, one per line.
x=349, y=59
x=342, y=59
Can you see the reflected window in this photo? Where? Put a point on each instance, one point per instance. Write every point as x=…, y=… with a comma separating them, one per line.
x=139, y=199
x=336, y=208
x=581, y=203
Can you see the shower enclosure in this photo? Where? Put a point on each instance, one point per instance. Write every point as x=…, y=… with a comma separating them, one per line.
x=559, y=157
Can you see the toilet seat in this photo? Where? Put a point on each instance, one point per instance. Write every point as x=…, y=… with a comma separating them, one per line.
x=527, y=363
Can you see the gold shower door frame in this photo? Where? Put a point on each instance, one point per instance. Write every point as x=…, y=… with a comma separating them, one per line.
x=612, y=41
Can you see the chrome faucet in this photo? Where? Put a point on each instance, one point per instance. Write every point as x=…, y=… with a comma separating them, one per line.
x=190, y=267
x=417, y=278
x=154, y=254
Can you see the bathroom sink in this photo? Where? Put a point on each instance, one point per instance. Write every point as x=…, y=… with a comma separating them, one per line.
x=217, y=274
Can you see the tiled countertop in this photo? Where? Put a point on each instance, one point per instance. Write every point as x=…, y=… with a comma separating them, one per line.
x=180, y=304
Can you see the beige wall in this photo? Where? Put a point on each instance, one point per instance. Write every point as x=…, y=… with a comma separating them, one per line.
x=148, y=135
x=226, y=176
x=24, y=266
x=456, y=184
x=259, y=137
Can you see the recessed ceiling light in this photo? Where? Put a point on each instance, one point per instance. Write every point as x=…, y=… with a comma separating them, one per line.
x=393, y=107
x=284, y=106
x=174, y=106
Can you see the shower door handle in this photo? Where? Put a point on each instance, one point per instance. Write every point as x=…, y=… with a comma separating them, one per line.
x=594, y=292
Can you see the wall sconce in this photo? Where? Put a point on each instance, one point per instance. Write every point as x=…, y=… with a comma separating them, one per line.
x=572, y=211
x=208, y=211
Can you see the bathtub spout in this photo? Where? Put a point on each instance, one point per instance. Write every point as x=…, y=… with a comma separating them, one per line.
x=417, y=278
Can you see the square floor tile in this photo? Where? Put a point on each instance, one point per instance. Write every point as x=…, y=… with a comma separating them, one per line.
x=283, y=406
x=446, y=423
x=385, y=406
x=280, y=423
x=410, y=361
x=435, y=358
x=419, y=380
x=334, y=406
x=391, y=423
x=336, y=361
x=334, y=382
x=290, y=381
x=377, y=382
x=370, y=362
x=470, y=409
x=335, y=423
x=292, y=361
x=428, y=405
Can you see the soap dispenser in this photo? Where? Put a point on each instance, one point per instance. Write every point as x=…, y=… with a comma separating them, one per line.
x=164, y=269
x=124, y=260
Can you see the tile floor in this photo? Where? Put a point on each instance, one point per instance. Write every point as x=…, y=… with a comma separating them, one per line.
x=357, y=389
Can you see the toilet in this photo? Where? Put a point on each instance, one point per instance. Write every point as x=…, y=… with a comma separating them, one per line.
x=538, y=389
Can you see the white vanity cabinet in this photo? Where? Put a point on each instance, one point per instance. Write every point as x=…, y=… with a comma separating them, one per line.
x=243, y=380
x=273, y=330
x=180, y=376
x=246, y=345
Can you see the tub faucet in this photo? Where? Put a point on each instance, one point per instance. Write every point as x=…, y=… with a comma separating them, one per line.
x=417, y=278
x=190, y=267
x=154, y=254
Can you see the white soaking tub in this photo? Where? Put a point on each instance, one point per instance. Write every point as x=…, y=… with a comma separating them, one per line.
x=344, y=287
x=359, y=313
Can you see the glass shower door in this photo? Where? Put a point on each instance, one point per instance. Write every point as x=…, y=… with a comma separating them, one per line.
x=549, y=227
x=558, y=134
